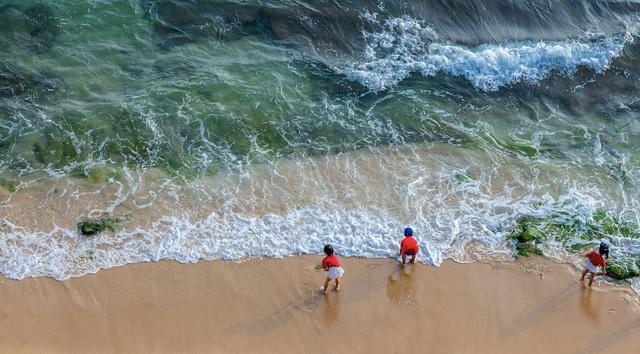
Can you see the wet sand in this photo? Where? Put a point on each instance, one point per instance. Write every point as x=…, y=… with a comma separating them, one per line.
x=275, y=306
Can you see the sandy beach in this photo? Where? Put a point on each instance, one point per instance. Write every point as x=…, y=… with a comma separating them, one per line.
x=274, y=306
x=171, y=171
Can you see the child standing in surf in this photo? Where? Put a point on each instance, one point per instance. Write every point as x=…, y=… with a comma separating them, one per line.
x=331, y=264
x=594, y=259
x=408, y=247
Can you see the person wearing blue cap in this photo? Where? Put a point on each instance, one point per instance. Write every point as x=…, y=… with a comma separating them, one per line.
x=408, y=246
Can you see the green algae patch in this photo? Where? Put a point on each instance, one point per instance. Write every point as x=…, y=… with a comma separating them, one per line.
x=92, y=227
x=100, y=175
x=607, y=225
x=10, y=185
x=520, y=147
x=528, y=248
x=574, y=233
x=528, y=235
x=623, y=268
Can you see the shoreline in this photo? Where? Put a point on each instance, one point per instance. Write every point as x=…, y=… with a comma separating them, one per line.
x=328, y=196
x=274, y=305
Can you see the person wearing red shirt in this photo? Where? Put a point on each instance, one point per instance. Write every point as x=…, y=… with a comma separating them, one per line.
x=331, y=264
x=594, y=259
x=408, y=246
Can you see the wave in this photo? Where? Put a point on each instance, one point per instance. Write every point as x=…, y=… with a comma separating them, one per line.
x=490, y=43
x=407, y=46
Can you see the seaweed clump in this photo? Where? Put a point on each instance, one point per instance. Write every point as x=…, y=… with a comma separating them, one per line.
x=623, y=268
x=528, y=236
x=92, y=227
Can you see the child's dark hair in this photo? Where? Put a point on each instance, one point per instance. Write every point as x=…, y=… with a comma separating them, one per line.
x=604, y=249
x=328, y=249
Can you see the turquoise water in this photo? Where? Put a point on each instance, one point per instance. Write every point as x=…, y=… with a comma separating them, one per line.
x=95, y=92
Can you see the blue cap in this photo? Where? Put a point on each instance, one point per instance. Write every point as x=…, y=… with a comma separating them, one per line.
x=408, y=231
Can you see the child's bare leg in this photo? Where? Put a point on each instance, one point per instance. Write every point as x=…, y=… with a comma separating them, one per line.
x=337, y=284
x=584, y=272
x=404, y=259
x=413, y=259
x=326, y=285
x=593, y=276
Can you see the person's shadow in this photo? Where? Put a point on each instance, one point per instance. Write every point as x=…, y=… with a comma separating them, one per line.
x=541, y=311
x=603, y=341
x=310, y=301
x=587, y=304
x=331, y=306
x=401, y=286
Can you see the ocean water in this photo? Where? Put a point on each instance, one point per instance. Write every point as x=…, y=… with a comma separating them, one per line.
x=234, y=129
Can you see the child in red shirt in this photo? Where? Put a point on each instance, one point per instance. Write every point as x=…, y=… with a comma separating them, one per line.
x=594, y=259
x=408, y=246
x=331, y=264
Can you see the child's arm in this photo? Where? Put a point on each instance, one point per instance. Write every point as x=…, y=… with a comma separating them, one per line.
x=604, y=270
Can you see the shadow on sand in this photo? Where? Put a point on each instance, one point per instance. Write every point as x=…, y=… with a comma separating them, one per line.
x=541, y=311
x=328, y=305
x=307, y=302
x=401, y=286
x=603, y=341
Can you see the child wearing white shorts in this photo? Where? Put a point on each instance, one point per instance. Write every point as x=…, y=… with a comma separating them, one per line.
x=331, y=264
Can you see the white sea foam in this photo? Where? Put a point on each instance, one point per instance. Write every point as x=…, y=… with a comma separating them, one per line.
x=227, y=235
x=371, y=233
x=406, y=46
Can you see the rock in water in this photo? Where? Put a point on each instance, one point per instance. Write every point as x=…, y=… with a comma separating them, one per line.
x=12, y=84
x=43, y=24
x=623, y=268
